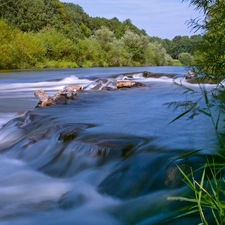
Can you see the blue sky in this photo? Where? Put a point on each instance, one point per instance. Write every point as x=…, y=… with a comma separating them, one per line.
x=161, y=18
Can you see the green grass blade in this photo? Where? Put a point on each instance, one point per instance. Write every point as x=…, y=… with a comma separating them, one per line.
x=181, y=115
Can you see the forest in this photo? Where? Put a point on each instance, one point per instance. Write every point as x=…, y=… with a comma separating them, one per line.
x=52, y=34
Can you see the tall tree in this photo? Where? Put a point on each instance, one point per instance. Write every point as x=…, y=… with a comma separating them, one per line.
x=210, y=53
x=31, y=15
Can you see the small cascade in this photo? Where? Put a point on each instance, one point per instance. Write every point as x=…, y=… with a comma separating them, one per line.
x=94, y=156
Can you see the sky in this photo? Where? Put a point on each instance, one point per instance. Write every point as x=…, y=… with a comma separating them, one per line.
x=160, y=18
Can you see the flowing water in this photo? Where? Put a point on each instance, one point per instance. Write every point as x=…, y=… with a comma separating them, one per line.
x=107, y=157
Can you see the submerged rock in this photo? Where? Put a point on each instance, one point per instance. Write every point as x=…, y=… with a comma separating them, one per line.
x=146, y=173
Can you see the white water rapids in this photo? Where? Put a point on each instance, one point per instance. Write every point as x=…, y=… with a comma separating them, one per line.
x=108, y=157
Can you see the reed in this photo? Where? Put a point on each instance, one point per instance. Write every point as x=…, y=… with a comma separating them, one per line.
x=207, y=196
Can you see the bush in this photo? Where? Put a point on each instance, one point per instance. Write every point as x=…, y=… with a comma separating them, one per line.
x=186, y=59
x=18, y=49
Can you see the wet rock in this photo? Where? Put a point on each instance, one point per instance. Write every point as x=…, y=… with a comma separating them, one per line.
x=189, y=75
x=60, y=97
x=174, y=176
x=68, y=136
x=41, y=95
x=128, y=84
x=44, y=99
x=146, y=74
x=102, y=84
x=108, y=88
x=71, y=88
x=71, y=91
x=145, y=173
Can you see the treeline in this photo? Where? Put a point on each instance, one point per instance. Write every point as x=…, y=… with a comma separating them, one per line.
x=48, y=33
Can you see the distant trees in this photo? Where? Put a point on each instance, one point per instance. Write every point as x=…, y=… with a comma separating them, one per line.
x=48, y=33
x=210, y=53
x=30, y=15
x=181, y=44
x=186, y=59
x=18, y=49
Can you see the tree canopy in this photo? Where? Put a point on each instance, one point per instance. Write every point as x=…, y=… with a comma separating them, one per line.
x=64, y=32
x=210, y=53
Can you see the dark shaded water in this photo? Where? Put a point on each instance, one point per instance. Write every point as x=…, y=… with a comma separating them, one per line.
x=108, y=157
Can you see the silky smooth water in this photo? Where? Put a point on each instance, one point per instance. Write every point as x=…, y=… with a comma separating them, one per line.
x=108, y=157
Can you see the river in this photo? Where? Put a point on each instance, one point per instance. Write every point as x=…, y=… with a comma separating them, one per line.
x=107, y=157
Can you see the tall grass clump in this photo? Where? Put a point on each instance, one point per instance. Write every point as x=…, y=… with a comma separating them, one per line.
x=207, y=194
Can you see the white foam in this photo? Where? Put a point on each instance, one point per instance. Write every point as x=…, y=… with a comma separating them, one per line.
x=49, y=85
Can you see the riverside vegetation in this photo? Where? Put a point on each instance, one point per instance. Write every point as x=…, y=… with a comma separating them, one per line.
x=51, y=34
x=68, y=37
x=207, y=196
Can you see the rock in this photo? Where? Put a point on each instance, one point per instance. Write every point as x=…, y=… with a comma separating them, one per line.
x=68, y=135
x=189, y=75
x=146, y=74
x=128, y=84
x=44, y=99
x=102, y=84
x=60, y=98
x=41, y=95
x=70, y=91
x=71, y=88
x=138, y=84
x=47, y=103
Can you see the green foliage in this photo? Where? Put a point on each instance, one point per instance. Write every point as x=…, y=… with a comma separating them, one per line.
x=56, y=64
x=207, y=194
x=208, y=199
x=104, y=36
x=50, y=33
x=135, y=45
x=30, y=15
x=179, y=44
x=89, y=53
x=156, y=55
x=18, y=49
x=210, y=54
x=57, y=46
x=186, y=59
x=118, y=55
x=176, y=62
x=76, y=23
